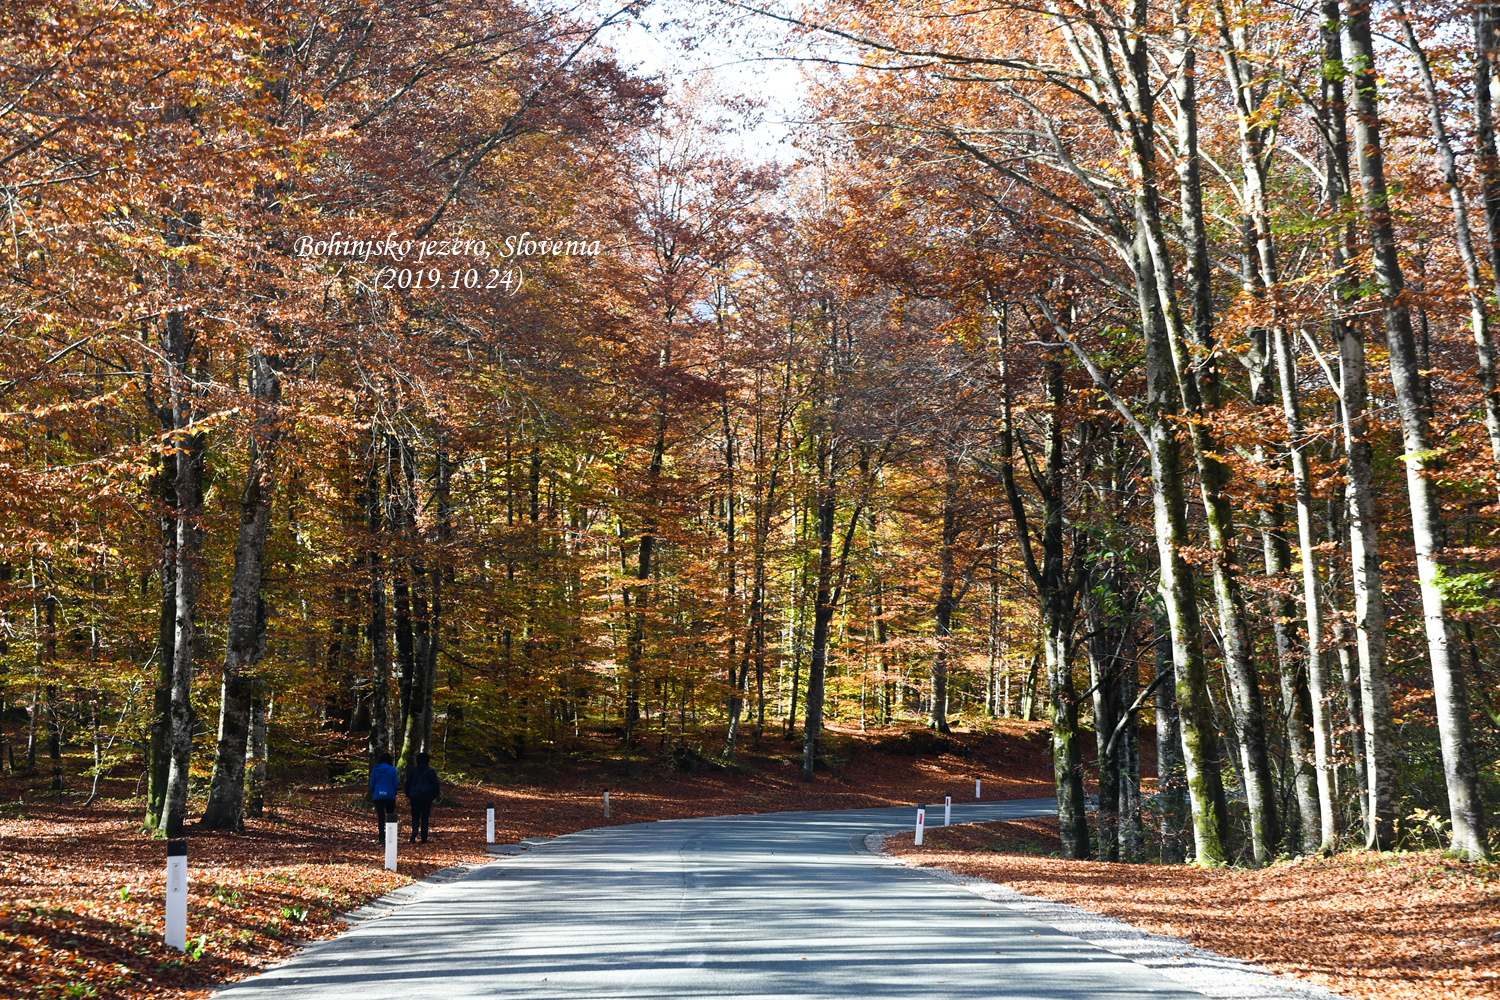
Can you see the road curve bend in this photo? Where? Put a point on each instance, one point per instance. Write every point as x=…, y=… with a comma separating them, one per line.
x=785, y=905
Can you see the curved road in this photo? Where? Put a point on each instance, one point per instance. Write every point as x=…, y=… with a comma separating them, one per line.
x=775, y=905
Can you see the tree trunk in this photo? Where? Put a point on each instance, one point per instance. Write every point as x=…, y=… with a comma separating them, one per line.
x=1195, y=716
x=635, y=645
x=1366, y=576
x=431, y=623
x=255, y=800
x=187, y=553
x=1422, y=458
x=1317, y=680
x=1294, y=699
x=943, y=612
x=1171, y=776
x=1057, y=585
x=159, y=759
x=380, y=649
x=246, y=634
x=823, y=606
x=1104, y=679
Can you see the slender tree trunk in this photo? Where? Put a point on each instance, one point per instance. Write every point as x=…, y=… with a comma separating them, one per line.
x=1130, y=756
x=1171, y=776
x=440, y=574
x=1104, y=679
x=255, y=800
x=1294, y=699
x=1366, y=576
x=823, y=607
x=1056, y=588
x=246, y=638
x=187, y=552
x=1202, y=395
x=943, y=612
x=159, y=759
x=1317, y=680
x=1486, y=85
x=406, y=657
x=1195, y=716
x=380, y=647
x=635, y=646
x=1422, y=458
x=1028, y=692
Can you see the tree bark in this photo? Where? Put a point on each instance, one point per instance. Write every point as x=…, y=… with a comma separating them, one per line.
x=943, y=611
x=255, y=799
x=188, y=552
x=1422, y=458
x=1366, y=575
x=1294, y=699
x=246, y=634
x=380, y=649
x=1317, y=680
x=159, y=759
x=1171, y=776
x=1058, y=581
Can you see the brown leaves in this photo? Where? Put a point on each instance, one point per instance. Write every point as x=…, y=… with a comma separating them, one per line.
x=1411, y=926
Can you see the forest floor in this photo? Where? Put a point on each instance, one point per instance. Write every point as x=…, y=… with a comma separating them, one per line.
x=1392, y=926
x=81, y=888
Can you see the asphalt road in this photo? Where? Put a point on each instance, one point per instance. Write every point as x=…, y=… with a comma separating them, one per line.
x=778, y=905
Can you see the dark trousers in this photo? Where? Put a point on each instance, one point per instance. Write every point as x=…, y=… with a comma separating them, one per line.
x=385, y=812
x=421, y=812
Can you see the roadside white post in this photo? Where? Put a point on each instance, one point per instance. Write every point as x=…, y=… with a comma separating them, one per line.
x=976, y=788
x=177, y=881
x=606, y=803
x=921, y=819
x=947, y=810
x=390, y=846
x=489, y=823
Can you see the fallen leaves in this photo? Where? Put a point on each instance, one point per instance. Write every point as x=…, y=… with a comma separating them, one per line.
x=1413, y=926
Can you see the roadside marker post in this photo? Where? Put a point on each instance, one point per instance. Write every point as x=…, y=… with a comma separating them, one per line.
x=606, y=803
x=390, y=846
x=489, y=823
x=947, y=810
x=976, y=789
x=921, y=819
x=177, y=883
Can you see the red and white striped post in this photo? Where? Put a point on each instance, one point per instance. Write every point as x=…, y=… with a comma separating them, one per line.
x=921, y=820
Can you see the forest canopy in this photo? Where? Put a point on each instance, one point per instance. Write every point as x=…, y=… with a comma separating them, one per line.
x=412, y=376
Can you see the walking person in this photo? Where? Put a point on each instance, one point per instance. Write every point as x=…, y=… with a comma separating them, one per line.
x=383, y=782
x=422, y=789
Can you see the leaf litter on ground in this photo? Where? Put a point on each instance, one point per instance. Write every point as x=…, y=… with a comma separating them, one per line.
x=1388, y=926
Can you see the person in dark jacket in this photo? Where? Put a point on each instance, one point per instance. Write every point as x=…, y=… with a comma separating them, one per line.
x=383, y=782
x=422, y=789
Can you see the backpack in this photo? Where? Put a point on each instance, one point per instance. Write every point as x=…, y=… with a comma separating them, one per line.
x=424, y=786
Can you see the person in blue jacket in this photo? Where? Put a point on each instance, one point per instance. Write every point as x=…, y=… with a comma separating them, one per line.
x=383, y=783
